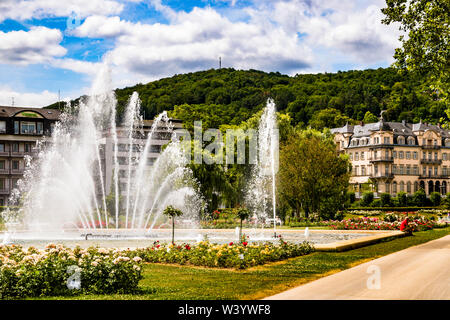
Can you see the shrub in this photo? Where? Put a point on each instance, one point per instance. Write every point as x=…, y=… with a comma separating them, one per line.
x=351, y=197
x=376, y=203
x=402, y=199
x=49, y=272
x=367, y=199
x=435, y=198
x=420, y=198
x=385, y=199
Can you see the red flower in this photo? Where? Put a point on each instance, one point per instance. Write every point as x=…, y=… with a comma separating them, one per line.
x=187, y=247
x=231, y=243
x=244, y=243
x=404, y=225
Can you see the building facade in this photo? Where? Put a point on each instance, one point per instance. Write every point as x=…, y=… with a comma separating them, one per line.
x=20, y=128
x=396, y=157
x=161, y=136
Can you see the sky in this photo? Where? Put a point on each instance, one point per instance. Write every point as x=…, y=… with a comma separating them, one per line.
x=52, y=48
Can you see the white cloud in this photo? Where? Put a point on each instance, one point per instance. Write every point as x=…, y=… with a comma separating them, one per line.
x=195, y=41
x=27, y=9
x=25, y=99
x=38, y=45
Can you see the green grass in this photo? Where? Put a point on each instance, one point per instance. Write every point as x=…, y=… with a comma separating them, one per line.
x=182, y=282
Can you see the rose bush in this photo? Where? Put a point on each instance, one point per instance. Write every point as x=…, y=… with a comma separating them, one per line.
x=32, y=272
x=230, y=255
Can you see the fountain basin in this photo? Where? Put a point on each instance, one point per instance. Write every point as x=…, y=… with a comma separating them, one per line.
x=323, y=240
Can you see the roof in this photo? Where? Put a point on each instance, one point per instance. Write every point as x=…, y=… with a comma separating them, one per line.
x=50, y=114
x=398, y=128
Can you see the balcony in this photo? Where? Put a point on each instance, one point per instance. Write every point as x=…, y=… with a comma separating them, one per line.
x=4, y=154
x=430, y=146
x=17, y=153
x=4, y=171
x=382, y=159
x=431, y=161
x=4, y=191
x=382, y=175
x=17, y=171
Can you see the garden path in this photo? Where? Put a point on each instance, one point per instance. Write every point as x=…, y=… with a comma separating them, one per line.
x=416, y=273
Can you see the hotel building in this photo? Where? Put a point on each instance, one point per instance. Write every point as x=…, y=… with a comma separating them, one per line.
x=396, y=156
x=20, y=128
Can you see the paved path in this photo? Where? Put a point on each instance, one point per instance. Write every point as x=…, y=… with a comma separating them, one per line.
x=416, y=273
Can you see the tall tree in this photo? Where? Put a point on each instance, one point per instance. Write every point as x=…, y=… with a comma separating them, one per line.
x=312, y=176
x=425, y=48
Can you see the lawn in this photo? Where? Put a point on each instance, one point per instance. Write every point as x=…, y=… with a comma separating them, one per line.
x=182, y=282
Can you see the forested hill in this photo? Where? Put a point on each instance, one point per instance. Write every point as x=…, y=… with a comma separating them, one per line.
x=229, y=96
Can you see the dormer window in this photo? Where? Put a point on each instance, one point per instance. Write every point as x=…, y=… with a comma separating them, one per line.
x=447, y=142
x=411, y=141
x=401, y=140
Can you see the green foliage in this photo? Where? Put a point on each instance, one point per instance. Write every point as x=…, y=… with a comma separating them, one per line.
x=229, y=96
x=369, y=117
x=367, y=199
x=402, y=199
x=312, y=177
x=172, y=212
x=435, y=198
x=33, y=273
x=425, y=39
x=420, y=198
x=385, y=199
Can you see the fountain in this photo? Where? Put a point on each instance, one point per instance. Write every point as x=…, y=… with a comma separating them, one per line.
x=261, y=190
x=64, y=186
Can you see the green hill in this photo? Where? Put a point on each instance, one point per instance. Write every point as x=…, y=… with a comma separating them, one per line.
x=229, y=96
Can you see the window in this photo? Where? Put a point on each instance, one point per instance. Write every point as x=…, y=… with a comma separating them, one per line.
x=429, y=156
x=394, y=169
x=363, y=170
x=2, y=164
x=2, y=126
x=2, y=147
x=2, y=184
x=394, y=154
x=15, y=147
x=435, y=171
x=386, y=169
x=408, y=155
x=15, y=164
x=444, y=170
x=416, y=170
x=356, y=170
x=402, y=186
x=444, y=156
x=415, y=155
x=375, y=169
x=362, y=155
x=401, y=140
x=16, y=127
x=350, y=156
x=387, y=140
x=387, y=187
x=356, y=156
x=424, y=155
x=402, y=167
x=408, y=187
x=28, y=147
x=435, y=156
x=411, y=141
x=424, y=171
x=40, y=128
x=375, y=155
x=394, y=187
x=28, y=127
x=400, y=155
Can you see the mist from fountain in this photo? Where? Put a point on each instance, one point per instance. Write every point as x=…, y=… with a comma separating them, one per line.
x=261, y=189
x=64, y=184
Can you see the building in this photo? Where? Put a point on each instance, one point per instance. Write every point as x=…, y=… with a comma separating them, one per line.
x=161, y=137
x=20, y=128
x=396, y=156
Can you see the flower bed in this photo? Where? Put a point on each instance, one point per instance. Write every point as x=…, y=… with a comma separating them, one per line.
x=390, y=221
x=229, y=255
x=62, y=271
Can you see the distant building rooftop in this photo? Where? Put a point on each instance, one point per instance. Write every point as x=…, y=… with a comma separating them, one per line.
x=50, y=114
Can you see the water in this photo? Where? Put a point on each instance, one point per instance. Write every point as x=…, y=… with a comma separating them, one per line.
x=261, y=189
x=65, y=186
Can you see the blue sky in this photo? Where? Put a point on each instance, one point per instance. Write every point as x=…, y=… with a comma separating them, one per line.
x=48, y=46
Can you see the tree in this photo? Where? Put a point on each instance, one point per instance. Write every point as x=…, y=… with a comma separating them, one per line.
x=385, y=199
x=243, y=213
x=367, y=199
x=172, y=212
x=312, y=177
x=426, y=47
x=369, y=117
x=420, y=198
x=402, y=199
x=435, y=198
